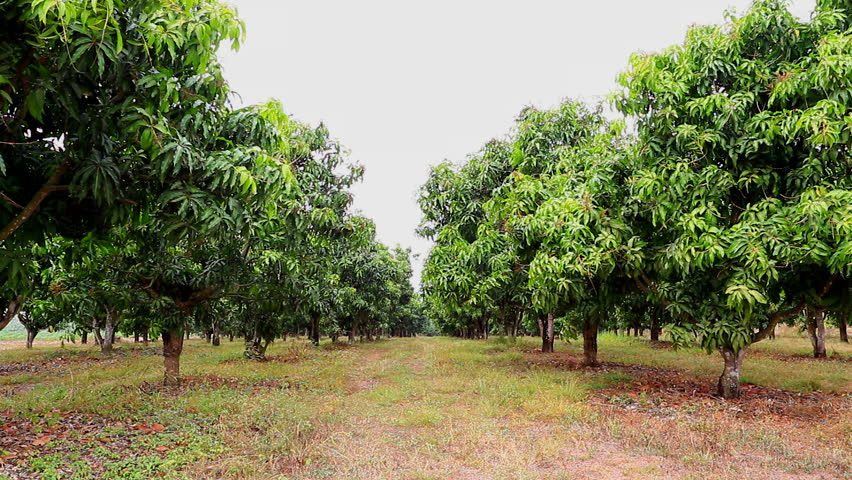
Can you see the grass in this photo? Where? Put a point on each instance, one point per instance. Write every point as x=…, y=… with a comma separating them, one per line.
x=424, y=408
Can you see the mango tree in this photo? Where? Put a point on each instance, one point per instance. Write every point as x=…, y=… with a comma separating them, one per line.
x=744, y=133
x=472, y=272
x=107, y=108
x=562, y=207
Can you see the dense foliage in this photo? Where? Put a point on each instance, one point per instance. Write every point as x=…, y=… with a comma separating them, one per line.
x=726, y=211
x=137, y=200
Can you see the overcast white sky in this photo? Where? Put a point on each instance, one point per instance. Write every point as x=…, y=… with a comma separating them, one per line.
x=405, y=85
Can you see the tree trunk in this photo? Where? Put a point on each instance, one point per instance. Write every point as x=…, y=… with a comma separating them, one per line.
x=25, y=319
x=96, y=330
x=172, y=348
x=815, y=323
x=315, y=332
x=109, y=332
x=215, y=337
x=84, y=337
x=356, y=321
x=255, y=348
x=547, y=334
x=187, y=334
x=145, y=336
x=590, y=342
x=31, y=334
x=136, y=336
x=513, y=333
x=655, y=326
x=230, y=337
x=729, y=381
x=843, y=322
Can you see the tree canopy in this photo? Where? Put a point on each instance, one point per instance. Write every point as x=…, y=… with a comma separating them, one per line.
x=724, y=208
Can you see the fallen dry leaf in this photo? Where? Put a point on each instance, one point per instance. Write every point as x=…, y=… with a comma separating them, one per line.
x=42, y=440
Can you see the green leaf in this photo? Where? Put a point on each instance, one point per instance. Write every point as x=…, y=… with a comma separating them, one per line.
x=35, y=103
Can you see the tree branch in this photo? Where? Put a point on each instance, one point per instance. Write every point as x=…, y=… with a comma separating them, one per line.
x=775, y=318
x=51, y=185
x=11, y=310
x=778, y=317
x=10, y=201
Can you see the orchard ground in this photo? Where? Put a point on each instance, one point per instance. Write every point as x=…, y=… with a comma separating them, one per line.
x=424, y=408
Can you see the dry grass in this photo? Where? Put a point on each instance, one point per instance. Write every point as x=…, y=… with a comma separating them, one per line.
x=438, y=408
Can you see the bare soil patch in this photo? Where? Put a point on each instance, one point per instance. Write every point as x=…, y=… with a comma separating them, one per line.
x=663, y=391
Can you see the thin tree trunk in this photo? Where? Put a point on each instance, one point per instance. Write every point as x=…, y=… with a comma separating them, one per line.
x=96, y=331
x=353, y=331
x=815, y=323
x=32, y=331
x=590, y=342
x=842, y=323
x=729, y=381
x=215, y=337
x=547, y=334
x=84, y=337
x=31, y=335
x=145, y=339
x=109, y=332
x=515, y=324
x=655, y=326
x=172, y=348
x=315, y=332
